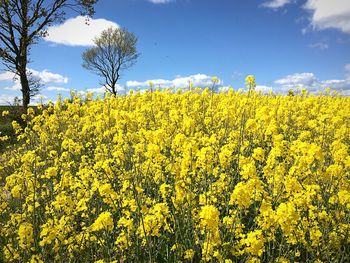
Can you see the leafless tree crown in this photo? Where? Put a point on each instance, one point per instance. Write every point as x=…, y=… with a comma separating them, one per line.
x=114, y=51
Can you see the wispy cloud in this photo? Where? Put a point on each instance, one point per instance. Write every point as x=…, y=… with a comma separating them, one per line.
x=274, y=4
x=343, y=41
x=237, y=75
x=347, y=71
x=319, y=45
x=160, y=1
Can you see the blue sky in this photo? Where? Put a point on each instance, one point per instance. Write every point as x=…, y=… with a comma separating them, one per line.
x=283, y=43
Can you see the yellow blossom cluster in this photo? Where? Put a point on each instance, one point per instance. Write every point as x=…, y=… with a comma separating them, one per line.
x=192, y=176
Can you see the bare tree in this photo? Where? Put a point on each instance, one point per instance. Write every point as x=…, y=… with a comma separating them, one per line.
x=114, y=51
x=22, y=22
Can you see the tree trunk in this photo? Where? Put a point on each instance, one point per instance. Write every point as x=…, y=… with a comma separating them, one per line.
x=22, y=72
x=23, y=56
x=25, y=89
x=114, y=91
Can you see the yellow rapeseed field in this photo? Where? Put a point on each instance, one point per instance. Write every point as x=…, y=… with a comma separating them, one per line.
x=191, y=176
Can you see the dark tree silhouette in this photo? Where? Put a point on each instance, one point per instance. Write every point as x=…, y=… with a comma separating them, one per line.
x=22, y=23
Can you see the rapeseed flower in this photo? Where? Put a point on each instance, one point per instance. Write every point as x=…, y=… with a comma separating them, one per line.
x=179, y=176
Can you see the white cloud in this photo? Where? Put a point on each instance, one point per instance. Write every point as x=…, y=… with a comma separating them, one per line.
x=16, y=86
x=329, y=14
x=310, y=82
x=319, y=45
x=155, y=82
x=6, y=99
x=48, y=77
x=45, y=76
x=198, y=80
x=263, y=89
x=7, y=76
x=11, y=77
x=306, y=79
x=102, y=89
x=160, y=1
x=276, y=3
x=325, y=14
x=54, y=88
x=97, y=90
x=76, y=32
x=39, y=99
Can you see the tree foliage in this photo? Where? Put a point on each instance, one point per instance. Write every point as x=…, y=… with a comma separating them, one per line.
x=22, y=23
x=114, y=51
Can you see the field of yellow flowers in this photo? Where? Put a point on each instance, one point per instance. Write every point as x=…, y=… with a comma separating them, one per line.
x=190, y=176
